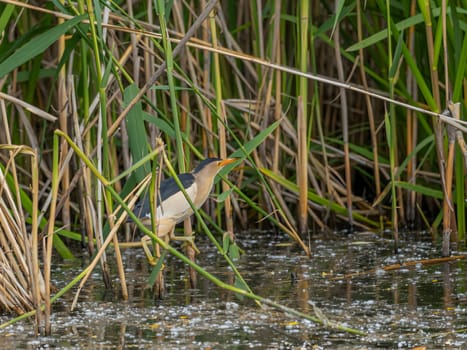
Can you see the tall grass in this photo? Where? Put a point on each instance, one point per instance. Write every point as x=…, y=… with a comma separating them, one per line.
x=333, y=109
x=22, y=282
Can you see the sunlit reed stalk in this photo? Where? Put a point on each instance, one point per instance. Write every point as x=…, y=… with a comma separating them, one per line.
x=391, y=131
x=412, y=130
x=276, y=52
x=38, y=291
x=50, y=233
x=455, y=111
x=102, y=144
x=453, y=93
x=302, y=114
x=62, y=106
x=221, y=121
x=445, y=167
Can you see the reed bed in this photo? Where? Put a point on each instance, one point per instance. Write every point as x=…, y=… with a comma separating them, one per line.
x=334, y=109
x=22, y=287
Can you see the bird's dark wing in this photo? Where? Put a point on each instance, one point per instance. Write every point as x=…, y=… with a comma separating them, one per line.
x=168, y=188
x=142, y=209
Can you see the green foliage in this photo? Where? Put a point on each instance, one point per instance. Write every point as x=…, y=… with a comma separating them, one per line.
x=242, y=91
x=138, y=145
x=157, y=268
x=36, y=45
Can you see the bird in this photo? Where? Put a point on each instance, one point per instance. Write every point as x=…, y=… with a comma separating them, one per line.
x=172, y=206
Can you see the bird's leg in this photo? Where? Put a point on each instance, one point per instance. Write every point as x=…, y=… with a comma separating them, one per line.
x=151, y=258
x=187, y=239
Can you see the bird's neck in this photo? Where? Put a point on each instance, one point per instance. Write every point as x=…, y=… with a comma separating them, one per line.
x=204, y=188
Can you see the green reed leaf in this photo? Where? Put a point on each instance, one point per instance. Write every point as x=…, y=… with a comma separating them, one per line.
x=36, y=46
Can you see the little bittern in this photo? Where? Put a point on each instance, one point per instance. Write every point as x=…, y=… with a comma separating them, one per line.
x=172, y=205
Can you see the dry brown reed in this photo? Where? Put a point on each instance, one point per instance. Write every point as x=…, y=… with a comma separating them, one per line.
x=22, y=286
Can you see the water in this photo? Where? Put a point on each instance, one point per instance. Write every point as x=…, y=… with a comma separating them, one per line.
x=404, y=308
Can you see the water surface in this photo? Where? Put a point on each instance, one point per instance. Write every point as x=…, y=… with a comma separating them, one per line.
x=404, y=308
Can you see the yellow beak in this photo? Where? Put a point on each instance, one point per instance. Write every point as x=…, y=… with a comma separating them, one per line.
x=227, y=161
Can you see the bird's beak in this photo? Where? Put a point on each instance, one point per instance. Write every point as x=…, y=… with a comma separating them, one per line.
x=227, y=161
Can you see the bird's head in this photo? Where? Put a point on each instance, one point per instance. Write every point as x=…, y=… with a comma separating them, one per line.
x=211, y=166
